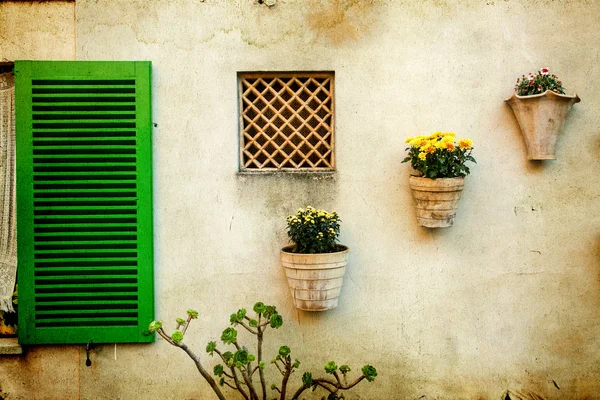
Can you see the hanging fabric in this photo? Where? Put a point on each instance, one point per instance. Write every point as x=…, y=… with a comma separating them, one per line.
x=8, y=222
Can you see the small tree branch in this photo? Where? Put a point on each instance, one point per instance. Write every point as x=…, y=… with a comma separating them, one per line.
x=356, y=382
x=322, y=384
x=248, y=328
x=162, y=333
x=261, y=373
x=279, y=368
x=286, y=376
x=228, y=384
x=247, y=379
x=337, y=377
x=203, y=372
x=236, y=379
x=187, y=323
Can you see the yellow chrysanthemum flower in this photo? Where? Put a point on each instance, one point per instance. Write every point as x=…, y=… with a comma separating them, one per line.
x=450, y=146
x=426, y=146
x=416, y=142
x=450, y=134
x=465, y=143
x=408, y=140
x=440, y=144
x=448, y=139
x=422, y=156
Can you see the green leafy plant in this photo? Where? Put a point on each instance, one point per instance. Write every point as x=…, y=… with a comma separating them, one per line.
x=313, y=231
x=439, y=155
x=538, y=84
x=239, y=367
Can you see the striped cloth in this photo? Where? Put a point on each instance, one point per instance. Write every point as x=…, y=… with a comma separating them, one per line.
x=8, y=239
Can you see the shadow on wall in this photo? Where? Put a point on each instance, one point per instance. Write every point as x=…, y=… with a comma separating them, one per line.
x=281, y=194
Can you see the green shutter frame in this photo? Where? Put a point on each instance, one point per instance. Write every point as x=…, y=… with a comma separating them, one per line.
x=84, y=201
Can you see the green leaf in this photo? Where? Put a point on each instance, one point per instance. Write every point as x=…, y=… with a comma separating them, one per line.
x=369, y=372
x=229, y=336
x=259, y=307
x=307, y=378
x=218, y=370
x=177, y=336
x=407, y=159
x=210, y=347
x=344, y=369
x=276, y=321
x=253, y=323
x=241, y=358
x=251, y=357
x=331, y=367
x=296, y=364
x=228, y=356
x=284, y=351
x=261, y=365
x=180, y=321
x=154, y=326
x=192, y=313
x=273, y=386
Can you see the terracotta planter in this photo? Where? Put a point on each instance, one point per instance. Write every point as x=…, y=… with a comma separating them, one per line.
x=436, y=200
x=541, y=118
x=315, y=280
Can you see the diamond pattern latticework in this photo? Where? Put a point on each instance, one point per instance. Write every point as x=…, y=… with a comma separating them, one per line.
x=287, y=121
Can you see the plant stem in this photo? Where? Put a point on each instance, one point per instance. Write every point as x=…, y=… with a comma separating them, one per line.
x=203, y=372
x=247, y=378
x=236, y=379
x=261, y=373
x=286, y=376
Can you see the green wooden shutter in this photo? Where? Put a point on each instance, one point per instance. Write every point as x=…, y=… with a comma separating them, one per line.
x=84, y=201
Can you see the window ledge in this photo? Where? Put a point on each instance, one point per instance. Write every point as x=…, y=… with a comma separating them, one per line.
x=313, y=174
x=10, y=346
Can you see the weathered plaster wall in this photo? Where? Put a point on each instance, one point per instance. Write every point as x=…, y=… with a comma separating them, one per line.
x=39, y=31
x=507, y=299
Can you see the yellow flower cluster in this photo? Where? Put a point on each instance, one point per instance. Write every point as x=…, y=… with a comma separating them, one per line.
x=437, y=140
x=309, y=216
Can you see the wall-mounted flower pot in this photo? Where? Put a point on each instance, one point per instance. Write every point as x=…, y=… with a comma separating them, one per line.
x=541, y=118
x=436, y=200
x=315, y=280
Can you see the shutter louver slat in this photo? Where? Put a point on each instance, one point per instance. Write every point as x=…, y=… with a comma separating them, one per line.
x=89, y=222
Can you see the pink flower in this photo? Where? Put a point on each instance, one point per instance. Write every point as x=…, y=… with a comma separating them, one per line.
x=545, y=71
x=531, y=77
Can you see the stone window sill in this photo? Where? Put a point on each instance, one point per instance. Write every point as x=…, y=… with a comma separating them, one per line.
x=10, y=346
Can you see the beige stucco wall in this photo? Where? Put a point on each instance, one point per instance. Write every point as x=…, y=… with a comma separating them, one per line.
x=37, y=30
x=507, y=299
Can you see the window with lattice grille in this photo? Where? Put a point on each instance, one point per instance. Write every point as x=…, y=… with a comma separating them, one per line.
x=287, y=121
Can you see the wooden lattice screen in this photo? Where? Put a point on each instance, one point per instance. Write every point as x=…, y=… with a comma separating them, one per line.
x=287, y=121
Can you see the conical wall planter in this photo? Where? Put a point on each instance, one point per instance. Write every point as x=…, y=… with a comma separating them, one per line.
x=436, y=200
x=541, y=118
x=315, y=280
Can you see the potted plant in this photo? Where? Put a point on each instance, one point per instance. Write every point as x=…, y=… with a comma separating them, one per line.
x=541, y=108
x=440, y=165
x=8, y=320
x=315, y=264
